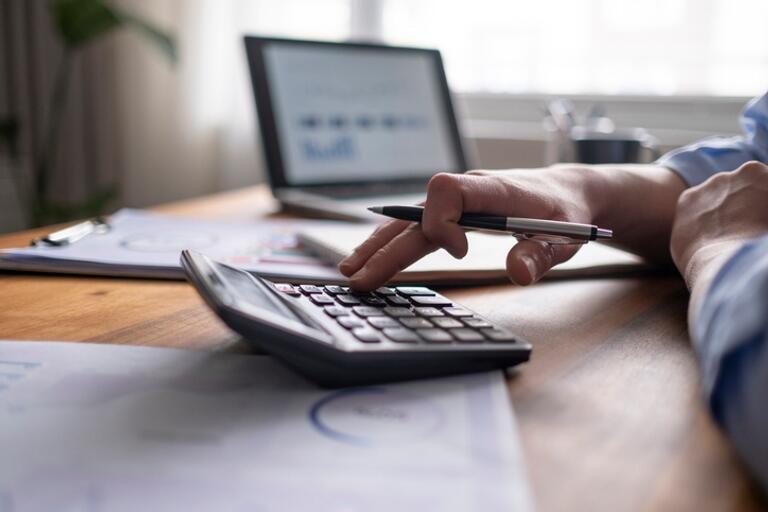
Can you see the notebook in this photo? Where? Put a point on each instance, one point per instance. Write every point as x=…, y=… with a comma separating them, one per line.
x=484, y=263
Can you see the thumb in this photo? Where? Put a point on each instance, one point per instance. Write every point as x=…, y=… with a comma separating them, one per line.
x=529, y=260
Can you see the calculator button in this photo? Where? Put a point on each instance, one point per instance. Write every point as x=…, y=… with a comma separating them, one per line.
x=498, y=335
x=435, y=335
x=366, y=311
x=287, y=289
x=374, y=301
x=383, y=322
x=350, y=322
x=334, y=290
x=414, y=290
x=431, y=301
x=336, y=311
x=366, y=335
x=398, y=312
x=385, y=291
x=447, y=323
x=459, y=312
x=467, y=335
x=321, y=299
x=308, y=289
x=477, y=322
x=396, y=300
x=347, y=300
x=401, y=335
x=428, y=311
x=416, y=323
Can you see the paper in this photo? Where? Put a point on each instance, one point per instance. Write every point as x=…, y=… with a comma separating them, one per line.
x=149, y=245
x=97, y=427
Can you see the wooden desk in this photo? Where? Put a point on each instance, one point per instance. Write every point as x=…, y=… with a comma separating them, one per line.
x=609, y=406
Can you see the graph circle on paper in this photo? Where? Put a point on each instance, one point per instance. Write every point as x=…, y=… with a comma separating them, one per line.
x=374, y=415
x=168, y=241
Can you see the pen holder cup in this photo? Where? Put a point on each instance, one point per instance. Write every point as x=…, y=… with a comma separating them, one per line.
x=630, y=146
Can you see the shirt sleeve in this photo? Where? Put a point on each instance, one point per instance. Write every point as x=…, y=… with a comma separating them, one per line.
x=730, y=335
x=697, y=162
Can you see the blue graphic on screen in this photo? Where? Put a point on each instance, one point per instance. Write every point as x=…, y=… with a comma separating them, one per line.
x=358, y=114
x=340, y=148
x=316, y=145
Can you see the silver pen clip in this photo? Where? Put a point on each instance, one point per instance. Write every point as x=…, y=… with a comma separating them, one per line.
x=72, y=234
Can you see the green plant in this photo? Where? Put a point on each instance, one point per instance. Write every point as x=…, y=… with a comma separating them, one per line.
x=78, y=23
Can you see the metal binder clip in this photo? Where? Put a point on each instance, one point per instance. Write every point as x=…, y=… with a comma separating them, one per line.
x=72, y=234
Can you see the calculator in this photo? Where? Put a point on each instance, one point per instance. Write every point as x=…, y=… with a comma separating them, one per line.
x=336, y=336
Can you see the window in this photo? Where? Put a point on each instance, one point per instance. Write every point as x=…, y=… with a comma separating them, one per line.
x=310, y=19
x=655, y=47
x=707, y=47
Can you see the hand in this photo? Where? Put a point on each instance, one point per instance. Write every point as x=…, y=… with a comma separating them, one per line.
x=715, y=218
x=551, y=193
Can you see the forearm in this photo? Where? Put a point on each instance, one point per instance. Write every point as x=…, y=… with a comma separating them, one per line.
x=636, y=201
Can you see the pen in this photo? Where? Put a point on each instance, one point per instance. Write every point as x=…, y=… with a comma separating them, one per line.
x=519, y=225
x=72, y=234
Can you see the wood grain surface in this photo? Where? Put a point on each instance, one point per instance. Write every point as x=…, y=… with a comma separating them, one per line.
x=609, y=407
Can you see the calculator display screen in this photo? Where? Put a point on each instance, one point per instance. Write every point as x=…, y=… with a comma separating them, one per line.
x=246, y=289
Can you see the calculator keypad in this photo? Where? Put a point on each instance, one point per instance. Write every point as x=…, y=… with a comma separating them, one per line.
x=402, y=315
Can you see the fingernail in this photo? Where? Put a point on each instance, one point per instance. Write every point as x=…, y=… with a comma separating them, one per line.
x=530, y=265
x=344, y=265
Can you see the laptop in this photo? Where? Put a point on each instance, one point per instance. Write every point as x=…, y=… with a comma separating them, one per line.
x=348, y=125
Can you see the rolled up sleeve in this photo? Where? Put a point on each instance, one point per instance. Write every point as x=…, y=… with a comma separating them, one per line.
x=730, y=335
x=697, y=162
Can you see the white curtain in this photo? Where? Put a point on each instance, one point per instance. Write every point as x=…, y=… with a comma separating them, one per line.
x=161, y=132
x=186, y=130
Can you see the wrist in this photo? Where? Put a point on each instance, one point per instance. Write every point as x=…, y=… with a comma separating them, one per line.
x=702, y=261
x=701, y=268
x=587, y=184
x=636, y=201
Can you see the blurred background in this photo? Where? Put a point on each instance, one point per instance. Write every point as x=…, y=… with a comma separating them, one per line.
x=150, y=101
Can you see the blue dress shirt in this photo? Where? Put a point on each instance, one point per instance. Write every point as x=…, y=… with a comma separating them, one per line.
x=730, y=331
x=699, y=161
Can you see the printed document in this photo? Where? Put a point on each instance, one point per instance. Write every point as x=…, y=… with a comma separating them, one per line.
x=146, y=244
x=92, y=428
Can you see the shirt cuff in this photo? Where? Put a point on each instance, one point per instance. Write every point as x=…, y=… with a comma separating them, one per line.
x=698, y=162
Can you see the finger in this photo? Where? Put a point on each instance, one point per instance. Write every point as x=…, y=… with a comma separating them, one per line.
x=529, y=260
x=450, y=195
x=442, y=210
x=404, y=249
x=380, y=237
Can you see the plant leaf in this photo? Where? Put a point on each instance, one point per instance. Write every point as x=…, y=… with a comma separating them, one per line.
x=161, y=39
x=80, y=21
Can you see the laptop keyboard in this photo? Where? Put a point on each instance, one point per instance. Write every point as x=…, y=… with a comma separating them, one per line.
x=406, y=314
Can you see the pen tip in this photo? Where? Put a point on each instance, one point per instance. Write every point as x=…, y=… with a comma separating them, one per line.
x=376, y=209
x=604, y=233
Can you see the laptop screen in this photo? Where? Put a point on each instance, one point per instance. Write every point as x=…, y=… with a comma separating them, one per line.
x=347, y=113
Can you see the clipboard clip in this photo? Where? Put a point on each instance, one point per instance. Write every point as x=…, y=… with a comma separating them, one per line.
x=71, y=234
